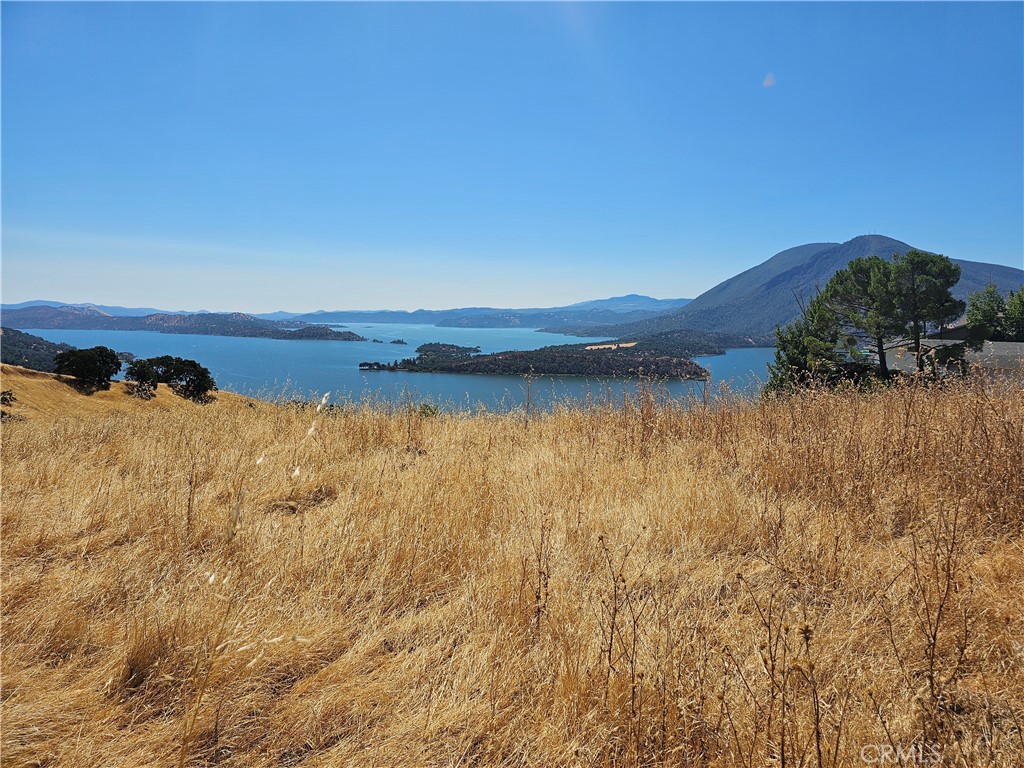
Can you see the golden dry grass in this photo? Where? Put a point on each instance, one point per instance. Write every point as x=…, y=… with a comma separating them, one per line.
x=38, y=395
x=784, y=583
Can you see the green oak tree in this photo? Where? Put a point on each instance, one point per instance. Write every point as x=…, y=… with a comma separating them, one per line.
x=93, y=368
x=186, y=378
x=192, y=381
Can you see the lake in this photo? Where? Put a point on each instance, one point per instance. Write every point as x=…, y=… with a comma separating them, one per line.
x=271, y=368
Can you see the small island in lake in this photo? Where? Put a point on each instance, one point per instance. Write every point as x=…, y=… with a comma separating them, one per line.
x=618, y=359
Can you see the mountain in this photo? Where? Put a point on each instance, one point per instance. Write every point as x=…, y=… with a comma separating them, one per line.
x=754, y=302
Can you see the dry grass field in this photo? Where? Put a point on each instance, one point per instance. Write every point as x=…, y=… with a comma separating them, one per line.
x=829, y=580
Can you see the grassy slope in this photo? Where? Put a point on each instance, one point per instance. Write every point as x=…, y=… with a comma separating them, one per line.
x=46, y=395
x=641, y=585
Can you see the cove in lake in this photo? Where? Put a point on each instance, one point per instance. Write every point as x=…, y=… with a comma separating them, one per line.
x=272, y=368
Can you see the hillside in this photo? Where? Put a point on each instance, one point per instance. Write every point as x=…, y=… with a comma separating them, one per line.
x=46, y=396
x=28, y=351
x=609, y=585
x=754, y=302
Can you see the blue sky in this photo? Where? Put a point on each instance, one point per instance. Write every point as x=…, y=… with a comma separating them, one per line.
x=262, y=156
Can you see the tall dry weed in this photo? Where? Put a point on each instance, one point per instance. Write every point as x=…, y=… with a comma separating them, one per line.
x=812, y=580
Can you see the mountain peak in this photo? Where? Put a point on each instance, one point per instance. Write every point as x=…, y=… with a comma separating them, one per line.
x=768, y=295
x=755, y=302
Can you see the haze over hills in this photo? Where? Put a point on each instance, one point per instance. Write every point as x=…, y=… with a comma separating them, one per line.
x=113, y=311
x=119, y=311
x=617, y=309
x=754, y=302
x=629, y=308
x=631, y=302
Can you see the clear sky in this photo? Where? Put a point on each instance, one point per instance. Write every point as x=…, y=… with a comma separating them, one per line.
x=262, y=156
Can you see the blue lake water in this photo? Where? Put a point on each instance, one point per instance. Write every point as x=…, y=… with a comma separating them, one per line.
x=271, y=368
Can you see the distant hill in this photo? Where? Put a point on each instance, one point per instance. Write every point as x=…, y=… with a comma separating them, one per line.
x=46, y=316
x=279, y=315
x=115, y=311
x=418, y=316
x=632, y=302
x=28, y=351
x=512, y=319
x=618, y=309
x=754, y=302
x=210, y=324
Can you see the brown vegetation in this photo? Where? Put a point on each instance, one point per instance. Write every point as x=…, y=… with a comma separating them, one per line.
x=783, y=583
